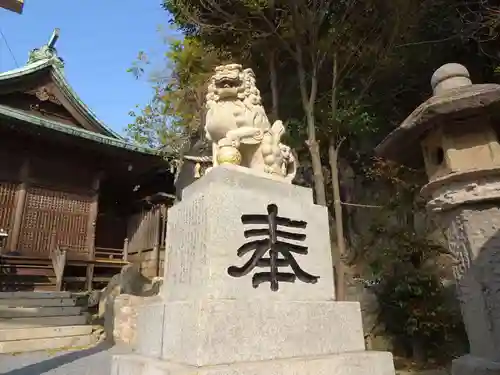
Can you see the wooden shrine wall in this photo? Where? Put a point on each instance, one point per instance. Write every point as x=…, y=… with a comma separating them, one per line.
x=10, y=165
x=146, y=232
x=49, y=213
x=7, y=204
x=55, y=199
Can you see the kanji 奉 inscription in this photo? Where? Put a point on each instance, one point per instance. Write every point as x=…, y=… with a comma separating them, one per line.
x=273, y=251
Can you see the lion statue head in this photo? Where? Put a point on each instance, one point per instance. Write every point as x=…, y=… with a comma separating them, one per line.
x=233, y=101
x=232, y=83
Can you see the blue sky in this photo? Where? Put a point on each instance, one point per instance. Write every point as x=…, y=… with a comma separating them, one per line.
x=99, y=40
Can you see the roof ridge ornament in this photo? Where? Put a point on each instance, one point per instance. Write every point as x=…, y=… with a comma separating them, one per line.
x=47, y=51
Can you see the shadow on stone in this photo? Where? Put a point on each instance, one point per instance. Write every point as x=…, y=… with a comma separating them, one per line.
x=55, y=362
x=474, y=240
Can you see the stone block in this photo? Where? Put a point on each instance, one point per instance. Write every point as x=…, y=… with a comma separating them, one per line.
x=125, y=315
x=355, y=363
x=470, y=365
x=214, y=332
x=240, y=179
x=205, y=232
x=150, y=323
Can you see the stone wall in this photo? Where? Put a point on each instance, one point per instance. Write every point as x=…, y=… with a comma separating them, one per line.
x=126, y=310
x=150, y=265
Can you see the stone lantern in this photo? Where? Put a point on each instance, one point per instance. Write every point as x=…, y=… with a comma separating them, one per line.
x=455, y=136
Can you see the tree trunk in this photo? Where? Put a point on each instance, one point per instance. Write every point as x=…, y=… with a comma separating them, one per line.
x=274, y=86
x=333, y=158
x=340, y=284
x=319, y=179
x=308, y=103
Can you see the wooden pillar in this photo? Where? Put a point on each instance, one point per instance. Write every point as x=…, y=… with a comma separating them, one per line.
x=91, y=225
x=158, y=237
x=20, y=203
x=125, y=250
x=156, y=260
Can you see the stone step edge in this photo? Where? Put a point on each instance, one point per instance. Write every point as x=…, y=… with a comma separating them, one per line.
x=38, y=302
x=35, y=295
x=44, y=321
x=31, y=312
x=58, y=343
x=48, y=333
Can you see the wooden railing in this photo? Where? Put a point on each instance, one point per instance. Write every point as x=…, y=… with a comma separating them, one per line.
x=109, y=253
x=65, y=256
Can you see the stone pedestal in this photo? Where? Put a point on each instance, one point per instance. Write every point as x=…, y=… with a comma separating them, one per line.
x=474, y=239
x=214, y=321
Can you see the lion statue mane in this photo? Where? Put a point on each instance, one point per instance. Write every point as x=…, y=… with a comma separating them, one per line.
x=237, y=119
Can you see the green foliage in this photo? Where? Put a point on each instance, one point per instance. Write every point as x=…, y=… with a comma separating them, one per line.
x=175, y=110
x=406, y=266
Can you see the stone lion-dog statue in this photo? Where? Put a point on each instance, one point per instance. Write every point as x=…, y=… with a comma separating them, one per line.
x=237, y=125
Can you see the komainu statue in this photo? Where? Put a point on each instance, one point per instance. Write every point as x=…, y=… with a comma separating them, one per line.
x=238, y=127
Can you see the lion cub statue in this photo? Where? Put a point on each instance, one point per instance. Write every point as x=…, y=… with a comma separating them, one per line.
x=238, y=127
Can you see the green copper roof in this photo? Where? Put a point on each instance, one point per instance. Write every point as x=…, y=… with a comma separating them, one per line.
x=45, y=58
x=33, y=120
x=55, y=65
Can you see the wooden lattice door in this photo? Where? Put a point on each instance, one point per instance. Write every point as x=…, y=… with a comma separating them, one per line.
x=7, y=203
x=49, y=212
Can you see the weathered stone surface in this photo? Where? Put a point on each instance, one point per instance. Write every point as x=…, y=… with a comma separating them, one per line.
x=150, y=328
x=199, y=253
x=454, y=190
x=129, y=283
x=125, y=319
x=470, y=365
x=474, y=239
x=357, y=363
x=244, y=179
x=215, y=332
x=126, y=312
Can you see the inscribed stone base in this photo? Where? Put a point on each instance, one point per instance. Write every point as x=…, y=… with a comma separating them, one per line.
x=470, y=365
x=354, y=363
x=205, y=231
x=214, y=332
x=213, y=323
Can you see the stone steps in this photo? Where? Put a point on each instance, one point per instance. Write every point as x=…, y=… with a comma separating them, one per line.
x=35, y=295
x=34, y=345
x=15, y=334
x=24, y=312
x=37, y=302
x=48, y=321
x=31, y=321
